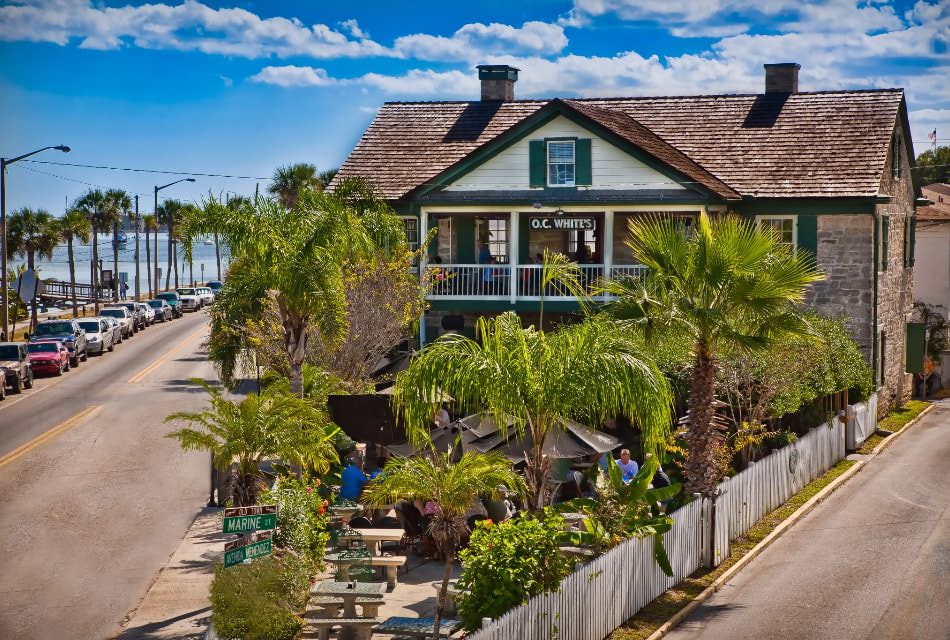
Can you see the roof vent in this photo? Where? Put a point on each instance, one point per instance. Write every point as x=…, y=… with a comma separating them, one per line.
x=498, y=82
x=782, y=77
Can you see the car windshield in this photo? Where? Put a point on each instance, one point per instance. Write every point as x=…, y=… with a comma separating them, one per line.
x=168, y=296
x=91, y=327
x=155, y=304
x=43, y=347
x=186, y=292
x=53, y=328
x=9, y=352
x=114, y=313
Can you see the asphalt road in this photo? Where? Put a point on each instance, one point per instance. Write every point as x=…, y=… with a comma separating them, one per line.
x=95, y=500
x=872, y=561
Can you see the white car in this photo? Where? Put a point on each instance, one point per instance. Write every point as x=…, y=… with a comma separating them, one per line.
x=206, y=295
x=123, y=316
x=190, y=300
x=148, y=311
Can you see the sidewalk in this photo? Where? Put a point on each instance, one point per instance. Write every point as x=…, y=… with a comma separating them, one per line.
x=177, y=605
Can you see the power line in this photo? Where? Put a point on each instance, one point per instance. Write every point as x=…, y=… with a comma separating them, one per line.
x=137, y=170
x=88, y=184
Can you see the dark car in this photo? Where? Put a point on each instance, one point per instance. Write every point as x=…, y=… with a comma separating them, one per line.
x=49, y=357
x=163, y=310
x=15, y=365
x=66, y=331
x=173, y=300
x=138, y=316
x=215, y=286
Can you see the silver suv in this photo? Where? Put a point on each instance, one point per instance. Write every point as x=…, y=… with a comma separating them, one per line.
x=123, y=316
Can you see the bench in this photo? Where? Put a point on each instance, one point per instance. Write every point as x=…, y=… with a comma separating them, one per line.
x=418, y=627
x=390, y=563
x=330, y=606
x=319, y=628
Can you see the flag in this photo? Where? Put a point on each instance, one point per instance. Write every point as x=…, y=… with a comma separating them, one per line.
x=932, y=135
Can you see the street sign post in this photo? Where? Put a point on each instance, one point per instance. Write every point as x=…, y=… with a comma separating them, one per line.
x=247, y=519
x=254, y=545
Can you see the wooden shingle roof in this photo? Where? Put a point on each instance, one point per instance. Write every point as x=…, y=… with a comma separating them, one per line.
x=801, y=145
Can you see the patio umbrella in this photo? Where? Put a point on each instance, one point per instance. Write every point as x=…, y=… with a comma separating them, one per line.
x=572, y=440
x=482, y=424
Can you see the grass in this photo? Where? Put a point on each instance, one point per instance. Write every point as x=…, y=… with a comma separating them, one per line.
x=896, y=421
x=652, y=616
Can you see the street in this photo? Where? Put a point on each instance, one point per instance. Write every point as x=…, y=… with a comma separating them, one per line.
x=872, y=561
x=95, y=500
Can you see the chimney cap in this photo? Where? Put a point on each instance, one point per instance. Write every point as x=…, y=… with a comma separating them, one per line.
x=779, y=65
x=497, y=72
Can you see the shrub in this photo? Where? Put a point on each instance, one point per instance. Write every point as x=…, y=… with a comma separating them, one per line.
x=301, y=518
x=260, y=600
x=507, y=563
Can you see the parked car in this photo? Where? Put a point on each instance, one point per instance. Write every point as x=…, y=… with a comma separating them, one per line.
x=117, y=327
x=139, y=320
x=162, y=310
x=190, y=300
x=124, y=317
x=99, y=334
x=49, y=357
x=215, y=286
x=173, y=300
x=66, y=331
x=15, y=365
x=206, y=295
x=148, y=311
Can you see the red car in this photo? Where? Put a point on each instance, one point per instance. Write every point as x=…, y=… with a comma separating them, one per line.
x=50, y=356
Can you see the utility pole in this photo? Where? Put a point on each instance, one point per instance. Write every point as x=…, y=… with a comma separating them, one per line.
x=138, y=291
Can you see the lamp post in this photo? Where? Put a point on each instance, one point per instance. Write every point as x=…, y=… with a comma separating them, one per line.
x=4, y=283
x=157, y=189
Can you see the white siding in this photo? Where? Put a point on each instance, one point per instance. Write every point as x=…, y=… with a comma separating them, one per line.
x=611, y=167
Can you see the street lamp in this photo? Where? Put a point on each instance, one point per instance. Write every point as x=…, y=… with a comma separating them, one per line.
x=4, y=284
x=157, y=189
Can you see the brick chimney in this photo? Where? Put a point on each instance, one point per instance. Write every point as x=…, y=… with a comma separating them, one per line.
x=498, y=82
x=782, y=77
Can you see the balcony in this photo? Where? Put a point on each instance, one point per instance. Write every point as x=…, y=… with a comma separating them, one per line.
x=513, y=283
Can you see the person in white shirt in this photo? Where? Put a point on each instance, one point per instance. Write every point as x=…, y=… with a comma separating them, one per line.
x=628, y=466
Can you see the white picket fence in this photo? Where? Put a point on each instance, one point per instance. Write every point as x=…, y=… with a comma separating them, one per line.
x=863, y=423
x=604, y=593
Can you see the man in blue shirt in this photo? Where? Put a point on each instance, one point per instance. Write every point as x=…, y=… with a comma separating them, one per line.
x=484, y=253
x=353, y=478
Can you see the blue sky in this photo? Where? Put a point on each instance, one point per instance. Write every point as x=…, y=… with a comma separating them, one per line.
x=240, y=88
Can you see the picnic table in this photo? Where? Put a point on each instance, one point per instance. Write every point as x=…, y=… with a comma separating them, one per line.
x=417, y=627
x=372, y=537
x=351, y=625
x=349, y=592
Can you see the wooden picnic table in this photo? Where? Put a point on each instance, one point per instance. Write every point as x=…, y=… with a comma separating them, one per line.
x=372, y=537
x=352, y=626
x=417, y=627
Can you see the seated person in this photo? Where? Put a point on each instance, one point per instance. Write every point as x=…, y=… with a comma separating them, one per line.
x=380, y=464
x=628, y=466
x=501, y=508
x=353, y=479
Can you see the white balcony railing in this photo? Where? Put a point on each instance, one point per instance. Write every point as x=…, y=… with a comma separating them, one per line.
x=493, y=281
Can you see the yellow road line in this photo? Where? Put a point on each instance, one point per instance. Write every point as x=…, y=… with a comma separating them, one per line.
x=138, y=377
x=49, y=435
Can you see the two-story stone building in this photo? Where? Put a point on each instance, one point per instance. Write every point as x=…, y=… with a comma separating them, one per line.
x=501, y=180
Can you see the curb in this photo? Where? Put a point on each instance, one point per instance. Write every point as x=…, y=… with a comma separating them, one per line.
x=784, y=526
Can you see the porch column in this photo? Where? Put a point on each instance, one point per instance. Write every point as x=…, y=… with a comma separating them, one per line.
x=513, y=257
x=423, y=264
x=608, y=243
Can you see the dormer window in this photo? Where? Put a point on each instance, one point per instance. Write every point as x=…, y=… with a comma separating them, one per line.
x=560, y=163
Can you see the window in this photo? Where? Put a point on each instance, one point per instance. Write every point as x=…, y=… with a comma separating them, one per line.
x=561, y=163
x=411, y=225
x=784, y=226
x=898, y=156
x=498, y=239
x=574, y=240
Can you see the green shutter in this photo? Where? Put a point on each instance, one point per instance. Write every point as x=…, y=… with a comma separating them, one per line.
x=465, y=238
x=523, y=230
x=583, y=176
x=808, y=234
x=913, y=241
x=916, y=347
x=537, y=163
x=885, y=227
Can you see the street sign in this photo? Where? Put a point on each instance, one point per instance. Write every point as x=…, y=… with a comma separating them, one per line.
x=247, y=519
x=254, y=545
x=28, y=285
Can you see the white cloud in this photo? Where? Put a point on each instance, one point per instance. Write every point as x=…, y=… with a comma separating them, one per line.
x=294, y=76
x=190, y=26
x=352, y=27
x=476, y=41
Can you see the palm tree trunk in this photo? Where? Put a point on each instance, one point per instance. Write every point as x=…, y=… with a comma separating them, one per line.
x=446, y=576
x=95, y=268
x=72, y=274
x=115, y=261
x=30, y=261
x=217, y=254
x=295, y=343
x=148, y=264
x=174, y=256
x=538, y=469
x=168, y=275
x=703, y=436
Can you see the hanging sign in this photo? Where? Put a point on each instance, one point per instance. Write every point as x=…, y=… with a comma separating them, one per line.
x=562, y=223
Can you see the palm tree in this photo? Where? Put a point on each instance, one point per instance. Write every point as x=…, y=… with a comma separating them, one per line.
x=452, y=487
x=729, y=286
x=91, y=204
x=259, y=427
x=150, y=225
x=288, y=182
x=31, y=232
x=169, y=214
x=591, y=371
x=118, y=204
x=326, y=176
x=74, y=225
x=297, y=257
